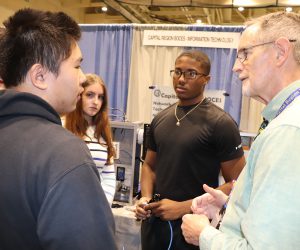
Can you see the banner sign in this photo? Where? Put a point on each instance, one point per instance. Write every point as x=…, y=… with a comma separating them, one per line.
x=164, y=96
x=191, y=38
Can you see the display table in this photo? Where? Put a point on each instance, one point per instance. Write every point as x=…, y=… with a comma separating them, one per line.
x=128, y=229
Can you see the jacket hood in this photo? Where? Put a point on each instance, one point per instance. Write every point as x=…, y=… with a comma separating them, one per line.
x=14, y=104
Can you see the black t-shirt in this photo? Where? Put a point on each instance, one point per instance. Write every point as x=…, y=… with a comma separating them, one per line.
x=189, y=155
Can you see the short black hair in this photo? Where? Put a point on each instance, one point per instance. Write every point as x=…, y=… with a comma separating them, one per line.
x=200, y=57
x=34, y=36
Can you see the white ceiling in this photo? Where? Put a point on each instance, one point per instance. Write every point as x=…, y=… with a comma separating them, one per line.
x=215, y=12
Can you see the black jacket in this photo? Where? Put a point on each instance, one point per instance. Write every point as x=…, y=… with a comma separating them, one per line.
x=50, y=195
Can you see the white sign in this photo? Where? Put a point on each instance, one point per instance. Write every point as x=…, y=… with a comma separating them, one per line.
x=191, y=38
x=164, y=96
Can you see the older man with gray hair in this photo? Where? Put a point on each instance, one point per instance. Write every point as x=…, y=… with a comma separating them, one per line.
x=263, y=210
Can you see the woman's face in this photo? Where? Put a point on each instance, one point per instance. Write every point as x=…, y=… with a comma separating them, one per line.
x=92, y=99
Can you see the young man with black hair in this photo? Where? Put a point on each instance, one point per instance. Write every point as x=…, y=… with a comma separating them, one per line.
x=190, y=142
x=50, y=196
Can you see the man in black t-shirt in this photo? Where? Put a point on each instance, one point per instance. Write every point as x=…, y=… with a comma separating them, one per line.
x=190, y=142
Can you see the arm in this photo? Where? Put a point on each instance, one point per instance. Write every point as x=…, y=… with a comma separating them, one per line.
x=168, y=209
x=147, y=185
x=108, y=181
x=230, y=171
x=229, y=150
x=165, y=209
x=267, y=185
x=208, y=205
x=148, y=174
x=211, y=202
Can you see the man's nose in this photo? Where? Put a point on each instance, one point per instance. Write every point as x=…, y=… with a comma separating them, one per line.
x=238, y=66
x=82, y=77
x=181, y=79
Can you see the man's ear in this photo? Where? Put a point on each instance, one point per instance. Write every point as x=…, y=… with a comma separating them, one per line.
x=207, y=79
x=37, y=76
x=283, y=48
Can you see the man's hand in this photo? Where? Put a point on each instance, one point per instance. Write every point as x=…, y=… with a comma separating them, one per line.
x=167, y=209
x=140, y=212
x=192, y=226
x=210, y=203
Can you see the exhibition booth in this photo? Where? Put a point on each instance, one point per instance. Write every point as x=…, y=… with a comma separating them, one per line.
x=134, y=62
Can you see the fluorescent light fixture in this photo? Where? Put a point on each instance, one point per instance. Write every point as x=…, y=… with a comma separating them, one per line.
x=253, y=3
x=288, y=3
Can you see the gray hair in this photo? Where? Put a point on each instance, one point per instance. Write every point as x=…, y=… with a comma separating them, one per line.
x=279, y=24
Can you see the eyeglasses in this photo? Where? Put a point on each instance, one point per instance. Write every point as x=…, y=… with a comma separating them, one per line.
x=189, y=74
x=242, y=55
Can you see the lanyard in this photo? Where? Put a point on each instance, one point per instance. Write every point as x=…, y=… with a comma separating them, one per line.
x=285, y=104
x=223, y=209
x=288, y=101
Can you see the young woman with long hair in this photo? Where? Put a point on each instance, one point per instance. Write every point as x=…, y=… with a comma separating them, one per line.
x=90, y=122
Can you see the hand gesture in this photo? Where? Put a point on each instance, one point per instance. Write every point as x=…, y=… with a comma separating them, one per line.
x=209, y=203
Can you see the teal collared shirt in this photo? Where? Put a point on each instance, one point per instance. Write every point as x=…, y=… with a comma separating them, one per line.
x=274, y=105
x=263, y=211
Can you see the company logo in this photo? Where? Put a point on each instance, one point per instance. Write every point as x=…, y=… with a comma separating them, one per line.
x=157, y=93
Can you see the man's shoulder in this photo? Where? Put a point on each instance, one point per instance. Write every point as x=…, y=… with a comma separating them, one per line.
x=164, y=113
x=66, y=141
x=215, y=114
x=215, y=109
x=167, y=110
x=61, y=145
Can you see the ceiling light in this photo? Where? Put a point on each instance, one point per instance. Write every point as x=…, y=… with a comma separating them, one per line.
x=241, y=8
x=288, y=9
x=198, y=21
x=104, y=8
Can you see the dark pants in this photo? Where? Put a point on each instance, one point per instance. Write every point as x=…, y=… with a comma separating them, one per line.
x=156, y=235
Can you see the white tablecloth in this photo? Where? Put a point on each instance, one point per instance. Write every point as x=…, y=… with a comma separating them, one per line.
x=128, y=229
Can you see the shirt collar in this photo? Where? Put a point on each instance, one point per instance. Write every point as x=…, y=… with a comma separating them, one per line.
x=270, y=111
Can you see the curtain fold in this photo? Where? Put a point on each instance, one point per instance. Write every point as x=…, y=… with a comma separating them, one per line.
x=106, y=51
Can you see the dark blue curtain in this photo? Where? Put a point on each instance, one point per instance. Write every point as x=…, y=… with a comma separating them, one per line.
x=106, y=51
